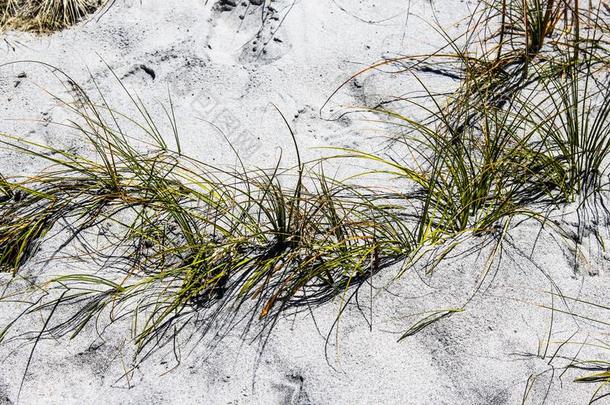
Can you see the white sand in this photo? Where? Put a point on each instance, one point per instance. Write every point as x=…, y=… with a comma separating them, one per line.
x=205, y=59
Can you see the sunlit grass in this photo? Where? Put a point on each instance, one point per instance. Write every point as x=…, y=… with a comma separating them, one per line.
x=526, y=132
x=42, y=16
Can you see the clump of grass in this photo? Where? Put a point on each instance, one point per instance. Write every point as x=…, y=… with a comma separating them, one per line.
x=525, y=132
x=43, y=16
x=191, y=240
x=529, y=122
x=472, y=176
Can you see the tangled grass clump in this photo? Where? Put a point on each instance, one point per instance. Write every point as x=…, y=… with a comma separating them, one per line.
x=189, y=241
x=526, y=132
x=43, y=16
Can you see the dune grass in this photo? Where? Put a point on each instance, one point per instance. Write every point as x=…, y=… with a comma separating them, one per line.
x=190, y=240
x=43, y=16
x=526, y=132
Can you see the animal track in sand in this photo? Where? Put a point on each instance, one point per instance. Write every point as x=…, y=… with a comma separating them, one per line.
x=290, y=389
x=256, y=26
